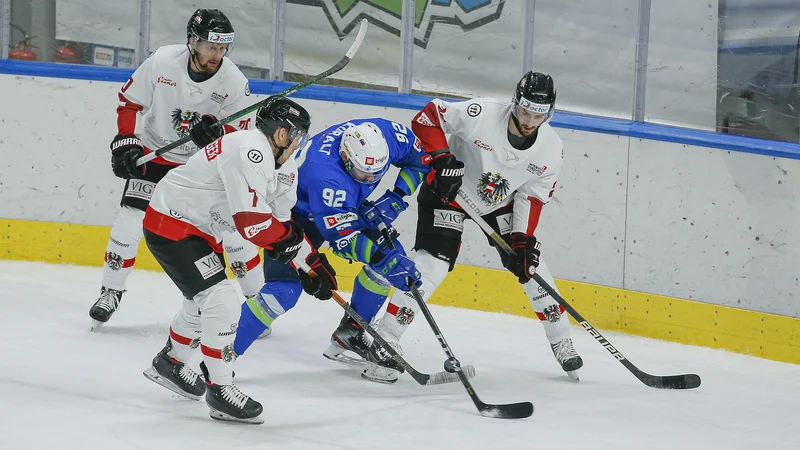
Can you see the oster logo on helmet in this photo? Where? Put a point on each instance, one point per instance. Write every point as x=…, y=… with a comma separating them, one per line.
x=220, y=38
x=369, y=160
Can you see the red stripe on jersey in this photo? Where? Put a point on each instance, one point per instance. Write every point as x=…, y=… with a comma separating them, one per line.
x=542, y=317
x=183, y=340
x=247, y=224
x=392, y=309
x=229, y=128
x=211, y=352
x=174, y=229
x=126, y=115
x=253, y=263
x=426, y=125
x=533, y=215
x=125, y=262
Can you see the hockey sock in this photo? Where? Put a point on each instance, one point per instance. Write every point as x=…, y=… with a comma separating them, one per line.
x=259, y=311
x=369, y=292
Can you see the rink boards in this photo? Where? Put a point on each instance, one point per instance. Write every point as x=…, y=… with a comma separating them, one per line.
x=707, y=222
x=671, y=319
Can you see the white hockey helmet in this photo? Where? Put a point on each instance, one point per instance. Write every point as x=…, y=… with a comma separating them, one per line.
x=365, y=153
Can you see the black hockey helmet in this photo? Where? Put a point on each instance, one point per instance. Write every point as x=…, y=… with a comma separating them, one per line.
x=280, y=112
x=536, y=92
x=210, y=25
x=534, y=102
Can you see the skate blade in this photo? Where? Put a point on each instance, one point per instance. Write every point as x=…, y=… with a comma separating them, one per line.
x=96, y=325
x=573, y=375
x=336, y=353
x=153, y=376
x=219, y=415
x=379, y=374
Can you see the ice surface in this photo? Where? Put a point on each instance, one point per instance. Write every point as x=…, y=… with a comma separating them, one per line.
x=64, y=387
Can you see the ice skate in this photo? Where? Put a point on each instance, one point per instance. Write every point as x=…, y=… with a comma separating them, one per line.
x=348, y=337
x=567, y=357
x=175, y=375
x=381, y=368
x=227, y=402
x=104, y=307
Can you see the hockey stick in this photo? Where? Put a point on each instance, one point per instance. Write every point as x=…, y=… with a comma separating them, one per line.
x=421, y=378
x=362, y=31
x=688, y=381
x=505, y=411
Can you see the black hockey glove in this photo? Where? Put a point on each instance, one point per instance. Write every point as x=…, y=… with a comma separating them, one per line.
x=286, y=249
x=206, y=131
x=324, y=281
x=447, y=176
x=125, y=150
x=526, y=257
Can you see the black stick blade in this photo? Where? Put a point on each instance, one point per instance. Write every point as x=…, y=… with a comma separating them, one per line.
x=520, y=410
x=688, y=381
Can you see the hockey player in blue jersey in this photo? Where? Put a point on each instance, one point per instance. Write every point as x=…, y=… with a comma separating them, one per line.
x=337, y=171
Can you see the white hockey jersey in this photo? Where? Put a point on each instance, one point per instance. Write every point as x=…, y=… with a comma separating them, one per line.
x=495, y=172
x=229, y=186
x=160, y=101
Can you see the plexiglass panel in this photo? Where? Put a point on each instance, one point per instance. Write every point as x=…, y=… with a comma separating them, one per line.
x=319, y=33
x=468, y=48
x=590, y=50
x=759, y=56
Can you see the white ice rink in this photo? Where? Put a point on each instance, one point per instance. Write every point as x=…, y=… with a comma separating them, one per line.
x=66, y=388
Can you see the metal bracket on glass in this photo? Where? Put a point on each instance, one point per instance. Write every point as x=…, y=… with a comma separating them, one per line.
x=143, y=32
x=407, y=46
x=527, y=48
x=642, y=44
x=278, y=40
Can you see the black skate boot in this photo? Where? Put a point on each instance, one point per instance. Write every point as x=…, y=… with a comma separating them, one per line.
x=227, y=402
x=382, y=368
x=568, y=358
x=104, y=307
x=175, y=375
x=349, y=336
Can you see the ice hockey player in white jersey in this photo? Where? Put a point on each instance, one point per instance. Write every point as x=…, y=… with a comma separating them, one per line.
x=507, y=159
x=243, y=183
x=179, y=90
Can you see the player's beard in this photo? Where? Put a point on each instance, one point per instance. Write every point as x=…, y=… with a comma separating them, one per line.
x=522, y=131
x=206, y=66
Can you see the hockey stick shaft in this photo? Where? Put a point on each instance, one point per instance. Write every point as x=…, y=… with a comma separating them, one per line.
x=507, y=411
x=670, y=382
x=362, y=31
x=421, y=378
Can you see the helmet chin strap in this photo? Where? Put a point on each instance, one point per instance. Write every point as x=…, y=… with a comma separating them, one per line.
x=281, y=150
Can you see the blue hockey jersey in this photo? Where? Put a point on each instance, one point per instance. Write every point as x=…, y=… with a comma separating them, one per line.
x=329, y=197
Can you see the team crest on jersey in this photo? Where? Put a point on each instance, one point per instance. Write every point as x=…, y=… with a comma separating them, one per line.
x=114, y=261
x=239, y=268
x=182, y=120
x=404, y=315
x=344, y=15
x=492, y=188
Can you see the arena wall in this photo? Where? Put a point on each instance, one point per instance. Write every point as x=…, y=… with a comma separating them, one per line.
x=662, y=232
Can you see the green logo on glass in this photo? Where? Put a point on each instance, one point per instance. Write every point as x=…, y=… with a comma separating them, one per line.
x=343, y=15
